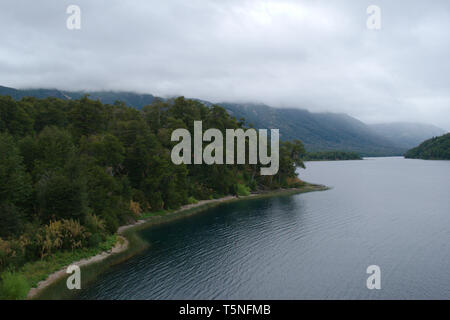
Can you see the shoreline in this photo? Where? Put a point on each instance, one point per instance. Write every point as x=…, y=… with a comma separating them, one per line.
x=120, y=246
x=129, y=244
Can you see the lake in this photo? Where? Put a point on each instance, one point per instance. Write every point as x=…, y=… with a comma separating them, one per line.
x=390, y=212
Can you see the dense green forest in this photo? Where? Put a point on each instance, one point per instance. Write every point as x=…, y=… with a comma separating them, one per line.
x=437, y=148
x=331, y=155
x=73, y=171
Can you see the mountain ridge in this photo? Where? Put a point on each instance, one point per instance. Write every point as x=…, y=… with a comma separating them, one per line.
x=407, y=134
x=324, y=131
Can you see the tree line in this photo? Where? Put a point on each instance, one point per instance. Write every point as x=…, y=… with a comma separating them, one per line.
x=437, y=148
x=73, y=171
x=331, y=155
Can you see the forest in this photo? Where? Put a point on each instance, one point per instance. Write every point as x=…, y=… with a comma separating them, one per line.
x=331, y=155
x=73, y=171
x=437, y=148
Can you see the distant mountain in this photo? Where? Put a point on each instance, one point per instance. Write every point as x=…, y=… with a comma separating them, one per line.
x=407, y=135
x=318, y=131
x=129, y=98
x=437, y=148
x=37, y=93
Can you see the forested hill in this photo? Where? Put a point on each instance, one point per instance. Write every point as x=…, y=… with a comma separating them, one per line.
x=72, y=171
x=318, y=131
x=437, y=148
x=108, y=97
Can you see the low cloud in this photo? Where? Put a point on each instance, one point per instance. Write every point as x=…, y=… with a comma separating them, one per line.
x=317, y=55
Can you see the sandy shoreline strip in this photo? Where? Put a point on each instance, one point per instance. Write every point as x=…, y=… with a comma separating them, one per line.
x=122, y=243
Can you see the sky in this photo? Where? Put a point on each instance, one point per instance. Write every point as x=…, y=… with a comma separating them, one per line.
x=318, y=55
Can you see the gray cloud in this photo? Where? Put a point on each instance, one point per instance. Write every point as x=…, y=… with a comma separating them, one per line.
x=317, y=54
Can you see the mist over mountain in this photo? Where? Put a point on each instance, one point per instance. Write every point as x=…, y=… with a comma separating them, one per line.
x=129, y=98
x=318, y=131
x=407, y=135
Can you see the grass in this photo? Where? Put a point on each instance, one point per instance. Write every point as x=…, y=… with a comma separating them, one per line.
x=15, y=285
x=242, y=190
x=158, y=213
x=192, y=200
x=58, y=290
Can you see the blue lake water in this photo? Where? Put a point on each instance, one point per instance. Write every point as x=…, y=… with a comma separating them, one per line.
x=390, y=212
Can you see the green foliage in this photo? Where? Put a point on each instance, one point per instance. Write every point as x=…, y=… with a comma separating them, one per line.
x=54, y=148
x=86, y=117
x=242, y=190
x=72, y=172
x=11, y=219
x=192, y=200
x=437, y=148
x=14, y=181
x=15, y=187
x=318, y=131
x=62, y=234
x=106, y=149
x=331, y=155
x=39, y=270
x=14, y=118
x=94, y=224
x=59, y=196
x=13, y=286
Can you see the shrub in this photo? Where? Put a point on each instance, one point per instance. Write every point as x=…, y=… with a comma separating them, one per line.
x=12, y=252
x=192, y=200
x=294, y=182
x=62, y=234
x=13, y=286
x=156, y=201
x=10, y=219
x=140, y=197
x=94, y=224
x=5, y=253
x=49, y=238
x=111, y=223
x=253, y=185
x=135, y=208
x=242, y=190
x=73, y=234
x=94, y=240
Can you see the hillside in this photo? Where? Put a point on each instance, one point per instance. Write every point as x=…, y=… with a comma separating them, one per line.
x=437, y=148
x=407, y=135
x=318, y=131
x=73, y=171
x=107, y=97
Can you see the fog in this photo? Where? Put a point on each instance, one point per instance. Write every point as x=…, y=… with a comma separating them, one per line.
x=318, y=55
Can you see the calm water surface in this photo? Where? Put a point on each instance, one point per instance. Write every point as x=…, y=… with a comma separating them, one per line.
x=391, y=212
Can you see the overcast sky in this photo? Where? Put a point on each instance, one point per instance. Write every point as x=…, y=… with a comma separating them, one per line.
x=318, y=55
